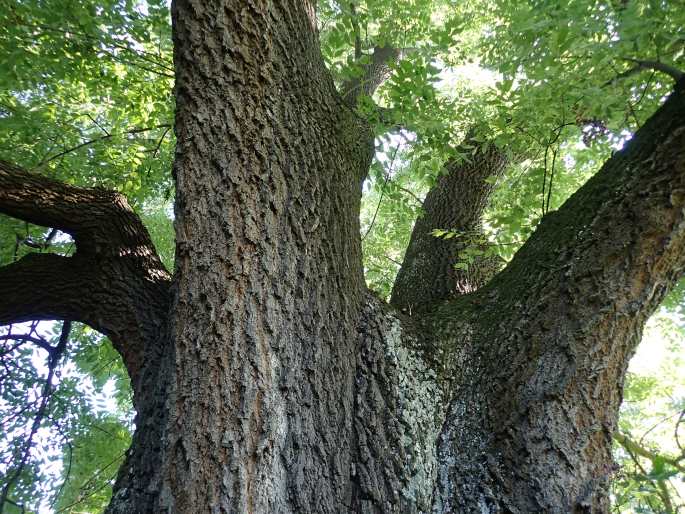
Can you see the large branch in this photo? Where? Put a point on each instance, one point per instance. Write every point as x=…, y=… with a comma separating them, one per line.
x=641, y=65
x=115, y=281
x=44, y=286
x=542, y=373
x=456, y=202
x=619, y=240
x=374, y=73
x=101, y=221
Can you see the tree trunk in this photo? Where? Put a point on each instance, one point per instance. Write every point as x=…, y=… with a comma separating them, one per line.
x=275, y=382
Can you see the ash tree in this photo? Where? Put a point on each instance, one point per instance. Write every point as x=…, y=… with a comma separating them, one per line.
x=266, y=375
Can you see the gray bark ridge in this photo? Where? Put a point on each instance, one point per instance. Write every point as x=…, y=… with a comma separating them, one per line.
x=269, y=284
x=400, y=405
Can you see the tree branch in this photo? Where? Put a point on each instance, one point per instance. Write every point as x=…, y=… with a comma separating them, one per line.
x=48, y=388
x=641, y=65
x=637, y=449
x=543, y=348
x=108, y=135
x=374, y=74
x=40, y=342
x=47, y=287
x=357, y=32
x=115, y=282
x=669, y=70
x=456, y=202
x=630, y=213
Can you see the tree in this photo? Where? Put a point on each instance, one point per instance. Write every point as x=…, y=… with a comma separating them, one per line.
x=266, y=376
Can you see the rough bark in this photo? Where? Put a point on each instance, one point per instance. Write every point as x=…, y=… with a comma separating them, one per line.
x=114, y=282
x=269, y=284
x=400, y=402
x=277, y=383
x=457, y=202
x=541, y=351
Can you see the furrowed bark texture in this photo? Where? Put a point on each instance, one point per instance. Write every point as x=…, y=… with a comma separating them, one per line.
x=457, y=202
x=400, y=406
x=293, y=390
x=114, y=282
x=268, y=169
x=286, y=388
x=541, y=351
x=276, y=383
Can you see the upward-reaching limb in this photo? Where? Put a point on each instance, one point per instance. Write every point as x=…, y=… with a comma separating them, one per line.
x=374, y=73
x=538, y=374
x=456, y=202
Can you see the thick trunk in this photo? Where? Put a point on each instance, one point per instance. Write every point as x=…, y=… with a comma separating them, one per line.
x=276, y=383
x=269, y=286
x=391, y=415
x=504, y=400
x=292, y=390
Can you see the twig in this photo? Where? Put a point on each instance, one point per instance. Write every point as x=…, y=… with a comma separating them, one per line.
x=639, y=101
x=42, y=343
x=556, y=135
x=633, y=447
x=655, y=425
x=380, y=200
x=140, y=54
x=677, y=427
x=393, y=260
x=99, y=139
x=639, y=466
x=551, y=177
x=91, y=480
x=83, y=498
x=98, y=125
x=159, y=144
x=53, y=359
x=66, y=477
x=416, y=198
